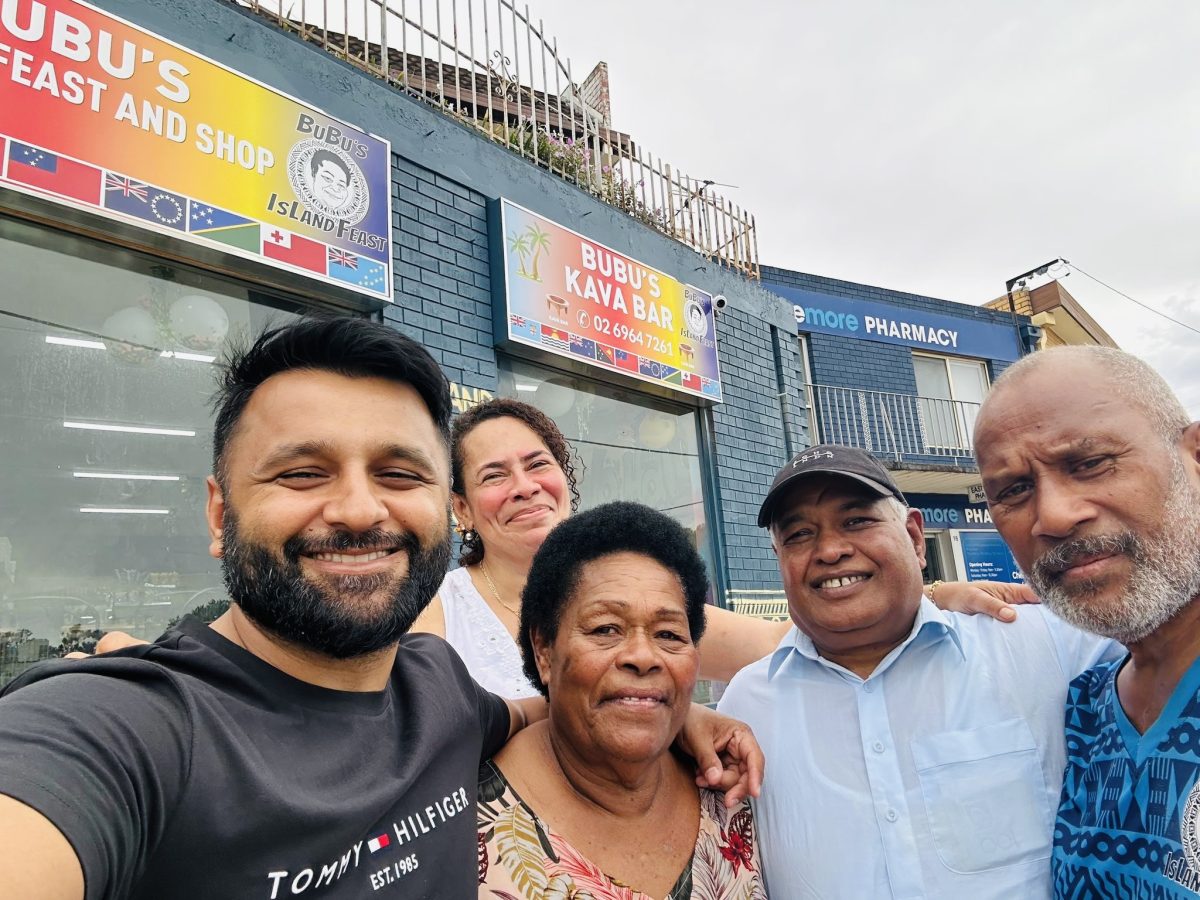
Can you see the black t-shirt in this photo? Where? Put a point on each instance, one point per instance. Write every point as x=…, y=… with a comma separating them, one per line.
x=191, y=769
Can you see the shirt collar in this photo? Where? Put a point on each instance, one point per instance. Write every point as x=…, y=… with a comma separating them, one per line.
x=931, y=624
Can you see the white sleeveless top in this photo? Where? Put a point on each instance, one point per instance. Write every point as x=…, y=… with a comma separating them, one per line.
x=480, y=638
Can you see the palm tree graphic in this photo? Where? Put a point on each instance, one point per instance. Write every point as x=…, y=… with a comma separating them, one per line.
x=538, y=241
x=519, y=244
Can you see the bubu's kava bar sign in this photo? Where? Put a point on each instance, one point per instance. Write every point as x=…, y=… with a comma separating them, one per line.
x=569, y=295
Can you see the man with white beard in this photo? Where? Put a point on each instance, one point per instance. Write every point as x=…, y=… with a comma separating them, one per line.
x=1092, y=471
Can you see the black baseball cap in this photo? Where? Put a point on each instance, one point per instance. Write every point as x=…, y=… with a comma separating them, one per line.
x=830, y=459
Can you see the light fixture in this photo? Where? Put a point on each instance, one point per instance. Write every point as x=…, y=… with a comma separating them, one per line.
x=75, y=342
x=125, y=510
x=118, y=476
x=183, y=354
x=130, y=429
x=527, y=387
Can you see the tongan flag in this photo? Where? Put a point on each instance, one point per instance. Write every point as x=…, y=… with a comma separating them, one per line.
x=376, y=844
x=144, y=201
x=219, y=225
x=57, y=174
x=357, y=270
x=298, y=251
x=552, y=337
x=692, y=382
x=526, y=329
x=581, y=346
x=626, y=361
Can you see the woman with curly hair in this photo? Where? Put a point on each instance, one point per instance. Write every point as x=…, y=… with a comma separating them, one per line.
x=591, y=802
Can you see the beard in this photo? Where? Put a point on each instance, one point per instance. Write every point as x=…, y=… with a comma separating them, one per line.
x=340, y=616
x=1164, y=577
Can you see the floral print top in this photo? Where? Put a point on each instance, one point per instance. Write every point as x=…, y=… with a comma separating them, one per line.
x=520, y=858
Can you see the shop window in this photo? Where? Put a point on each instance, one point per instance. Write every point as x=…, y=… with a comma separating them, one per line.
x=950, y=392
x=628, y=446
x=105, y=431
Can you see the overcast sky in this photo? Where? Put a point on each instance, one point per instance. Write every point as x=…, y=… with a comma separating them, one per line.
x=935, y=147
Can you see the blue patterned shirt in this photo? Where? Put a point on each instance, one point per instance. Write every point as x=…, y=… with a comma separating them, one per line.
x=1129, y=817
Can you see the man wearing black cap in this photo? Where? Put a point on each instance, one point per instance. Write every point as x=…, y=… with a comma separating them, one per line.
x=911, y=752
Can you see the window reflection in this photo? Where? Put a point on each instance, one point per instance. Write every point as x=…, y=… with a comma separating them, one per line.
x=106, y=361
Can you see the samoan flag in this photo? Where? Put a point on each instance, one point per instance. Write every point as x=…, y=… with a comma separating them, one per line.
x=654, y=369
x=524, y=329
x=357, y=270
x=553, y=337
x=606, y=354
x=49, y=172
x=626, y=361
x=223, y=226
x=581, y=346
x=144, y=201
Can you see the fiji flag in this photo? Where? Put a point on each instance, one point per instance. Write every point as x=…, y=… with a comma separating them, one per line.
x=581, y=346
x=524, y=329
x=56, y=174
x=144, y=201
x=357, y=270
x=226, y=227
x=626, y=361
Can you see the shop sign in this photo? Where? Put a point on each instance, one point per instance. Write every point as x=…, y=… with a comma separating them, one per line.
x=862, y=320
x=569, y=295
x=102, y=115
x=987, y=558
x=951, y=511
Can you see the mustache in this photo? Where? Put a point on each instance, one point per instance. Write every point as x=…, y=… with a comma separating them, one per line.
x=343, y=541
x=1058, y=559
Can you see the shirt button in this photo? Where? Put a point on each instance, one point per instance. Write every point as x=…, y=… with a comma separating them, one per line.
x=892, y=815
x=868, y=686
x=877, y=746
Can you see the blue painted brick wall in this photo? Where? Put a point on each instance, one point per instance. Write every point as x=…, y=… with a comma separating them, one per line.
x=442, y=285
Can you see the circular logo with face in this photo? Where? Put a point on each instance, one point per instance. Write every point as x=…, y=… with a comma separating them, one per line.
x=697, y=322
x=327, y=180
x=1189, y=828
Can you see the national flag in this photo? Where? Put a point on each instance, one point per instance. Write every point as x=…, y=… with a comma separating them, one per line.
x=56, y=174
x=692, y=382
x=526, y=329
x=626, y=361
x=672, y=376
x=357, y=270
x=606, y=354
x=284, y=246
x=144, y=201
x=710, y=387
x=654, y=369
x=553, y=337
x=377, y=843
x=581, y=346
x=220, y=225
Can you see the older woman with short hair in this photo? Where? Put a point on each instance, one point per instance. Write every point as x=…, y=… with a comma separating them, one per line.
x=593, y=799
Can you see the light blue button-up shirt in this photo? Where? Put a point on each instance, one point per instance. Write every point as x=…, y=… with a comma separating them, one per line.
x=936, y=777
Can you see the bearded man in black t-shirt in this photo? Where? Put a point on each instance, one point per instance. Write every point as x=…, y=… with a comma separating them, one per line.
x=303, y=745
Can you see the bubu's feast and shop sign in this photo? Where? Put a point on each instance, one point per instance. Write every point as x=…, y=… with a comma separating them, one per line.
x=103, y=115
x=569, y=295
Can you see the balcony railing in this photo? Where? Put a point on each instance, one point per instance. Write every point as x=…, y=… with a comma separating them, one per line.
x=487, y=64
x=896, y=426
